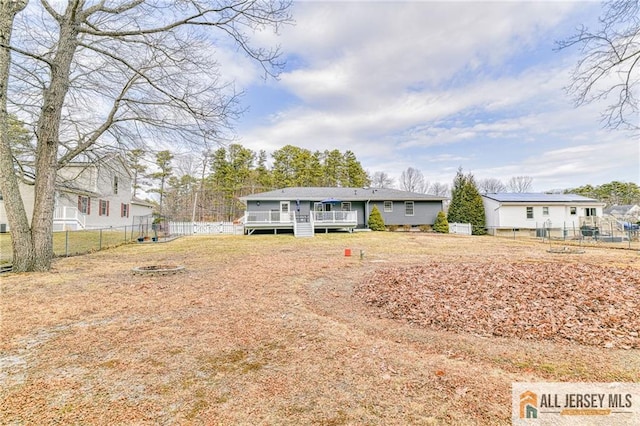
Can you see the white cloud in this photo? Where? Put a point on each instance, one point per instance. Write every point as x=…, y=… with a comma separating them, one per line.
x=437, y=85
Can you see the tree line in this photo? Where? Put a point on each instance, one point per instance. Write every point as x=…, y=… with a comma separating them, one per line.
x=210, y=190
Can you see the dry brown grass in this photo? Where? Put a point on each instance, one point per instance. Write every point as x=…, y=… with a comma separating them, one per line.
x=266, y=330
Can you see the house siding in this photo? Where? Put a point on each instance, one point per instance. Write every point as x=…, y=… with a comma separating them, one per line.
x=511, y=215
x=424, y=212
x=95, y=181
x=26, y=192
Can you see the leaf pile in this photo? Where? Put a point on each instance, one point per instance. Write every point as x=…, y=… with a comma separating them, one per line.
x=588, y=304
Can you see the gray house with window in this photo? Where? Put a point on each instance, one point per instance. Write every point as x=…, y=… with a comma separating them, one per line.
x=305, y=210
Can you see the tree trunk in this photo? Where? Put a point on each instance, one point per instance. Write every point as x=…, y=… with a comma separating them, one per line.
x=23, y=254
x=48, y=141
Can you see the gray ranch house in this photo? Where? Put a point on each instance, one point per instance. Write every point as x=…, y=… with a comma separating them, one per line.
x=306, y=210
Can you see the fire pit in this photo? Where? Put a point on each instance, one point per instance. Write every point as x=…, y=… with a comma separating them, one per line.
x=566, y=250
x=157, y=269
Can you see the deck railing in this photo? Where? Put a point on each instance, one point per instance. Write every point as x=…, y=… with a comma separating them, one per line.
x=68, y=218
x=316, y=218
x=347, y=217
x=268, y=217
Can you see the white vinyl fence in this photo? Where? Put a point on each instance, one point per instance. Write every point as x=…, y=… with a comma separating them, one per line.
x=205, y=228
x=460, y=228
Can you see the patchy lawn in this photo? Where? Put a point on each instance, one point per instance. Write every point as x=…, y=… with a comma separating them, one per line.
x=276, y=330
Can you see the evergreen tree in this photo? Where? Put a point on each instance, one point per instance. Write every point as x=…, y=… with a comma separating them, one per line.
x=284, y=166
x=20, y=139
x=466, y=203
x=376, y=222
x=179, y=197
x=333, y=168
x=163, y=161
x=441, y=224
x=356, y=175
x=263, y=177
x=612, y=193
x=135, y=157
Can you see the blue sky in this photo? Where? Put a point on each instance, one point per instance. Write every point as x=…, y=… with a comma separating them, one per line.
x=435, y=86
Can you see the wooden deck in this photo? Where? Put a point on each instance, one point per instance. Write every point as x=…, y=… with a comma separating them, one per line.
x=285, y=221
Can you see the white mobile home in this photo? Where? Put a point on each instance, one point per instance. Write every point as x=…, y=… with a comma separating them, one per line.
x=524, y=213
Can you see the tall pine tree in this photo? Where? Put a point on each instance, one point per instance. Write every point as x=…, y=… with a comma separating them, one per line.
x=466, y=203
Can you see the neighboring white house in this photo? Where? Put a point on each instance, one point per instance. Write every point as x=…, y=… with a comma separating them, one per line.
x=89, y=196
x=524, y=213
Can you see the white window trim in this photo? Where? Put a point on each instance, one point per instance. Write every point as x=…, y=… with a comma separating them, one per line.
x=384, y=206
x=413, y=208
x=526, y=212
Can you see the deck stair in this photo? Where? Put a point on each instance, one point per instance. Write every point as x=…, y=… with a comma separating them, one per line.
x=303, y=229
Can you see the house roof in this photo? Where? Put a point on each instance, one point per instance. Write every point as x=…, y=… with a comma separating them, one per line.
x=342, y=194
x=141, y=202
x=620, y=209
x=529, y=197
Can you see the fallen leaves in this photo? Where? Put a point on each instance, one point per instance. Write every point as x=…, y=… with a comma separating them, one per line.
x=589, y=304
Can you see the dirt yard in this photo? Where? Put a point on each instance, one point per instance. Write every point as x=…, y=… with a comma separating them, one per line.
x=272, y=330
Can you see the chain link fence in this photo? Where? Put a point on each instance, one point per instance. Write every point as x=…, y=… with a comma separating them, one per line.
x=71, y=243
x=596, y=233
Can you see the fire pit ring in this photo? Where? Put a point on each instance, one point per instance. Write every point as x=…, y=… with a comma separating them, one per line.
x=157, y=269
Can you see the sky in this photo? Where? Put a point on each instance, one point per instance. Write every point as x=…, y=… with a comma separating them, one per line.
x=435, y=86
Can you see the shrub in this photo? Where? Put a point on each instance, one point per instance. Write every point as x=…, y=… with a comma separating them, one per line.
x=376, y=222
x=441, y=224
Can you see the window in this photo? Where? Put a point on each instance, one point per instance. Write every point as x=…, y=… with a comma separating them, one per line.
x=84, y=204
x=590, y=211
x=388, y=206
x=573, y=210
x=124, y=210
x=529, y=212
x=346, y=206
x=103, y=209
x=408, y=208
x=115, y=184
x=545, y=211
x=317, y=207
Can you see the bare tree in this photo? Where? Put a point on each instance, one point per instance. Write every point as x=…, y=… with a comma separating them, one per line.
x=491, y=185
x=91, y=77
x=610, y=63
x=20, y=231
x=412, y=180
x=381, y=180
x=520, y=184
x=439, y=189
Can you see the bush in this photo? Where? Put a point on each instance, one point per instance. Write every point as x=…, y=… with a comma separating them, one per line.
x=376, y=222
x=441, y=224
